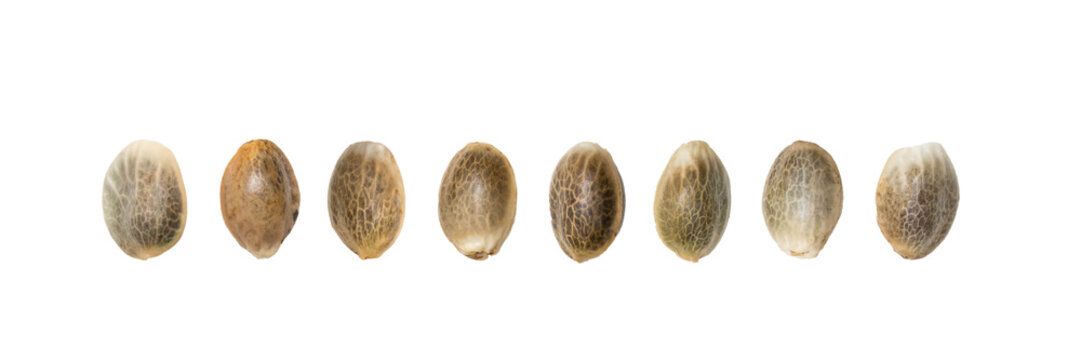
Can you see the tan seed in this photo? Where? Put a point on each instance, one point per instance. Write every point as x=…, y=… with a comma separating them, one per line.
x=366, y=199
x=802, y=199
x=586, y=201
x=917, y=199
x=144, y=201
x=260, y=199
x=692, y=203
x=477, y=200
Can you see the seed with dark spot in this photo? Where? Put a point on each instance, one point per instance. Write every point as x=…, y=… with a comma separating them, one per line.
x=260, y=199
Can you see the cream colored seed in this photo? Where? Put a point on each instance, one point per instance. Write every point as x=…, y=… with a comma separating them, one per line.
x=477, y=200
x=802, y=199
x=144, y=200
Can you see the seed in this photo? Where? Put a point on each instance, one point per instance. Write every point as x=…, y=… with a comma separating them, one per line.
x=586, y=200
x=917, y=199
x=693, y=201
x=260, y=200
x=477, y=200
x=802, y=199
x=144, y=200
x=366, y=199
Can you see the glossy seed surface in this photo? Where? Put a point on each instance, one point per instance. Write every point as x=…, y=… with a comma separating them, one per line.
x=692, y=202
x=477, y=200
x=802, y=199
x=586, y=201
x=917, y=199
x=366, y=199
x=260, y=200
x=144, y=201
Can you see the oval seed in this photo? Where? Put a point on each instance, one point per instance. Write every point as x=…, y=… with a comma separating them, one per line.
x=692, y=203
x=586, y=201
x=366, y=199
x=917, y=199
x=260, y=200
x=144, y=201
x=477, y=200
x=802, y=199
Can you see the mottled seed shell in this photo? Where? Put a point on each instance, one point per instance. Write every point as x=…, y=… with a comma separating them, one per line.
x=917, y=199
x=587, y=201
x=260, y=200
x=802, y=199
x=366, y=199
x=144, y=200
x=477, y=200
x=693, y=201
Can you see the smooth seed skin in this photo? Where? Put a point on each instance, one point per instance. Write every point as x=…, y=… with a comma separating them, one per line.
x=586, y=201
x=366, y=199
x=802, y=199
x=477, y=200
x=693, y=201
x=917, y=199
x=260, y=199
x=144, y=200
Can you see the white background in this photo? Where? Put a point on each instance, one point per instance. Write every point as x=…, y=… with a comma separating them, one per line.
x=996, y=82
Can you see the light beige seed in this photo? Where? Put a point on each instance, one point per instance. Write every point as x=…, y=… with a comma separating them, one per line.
x=586, y=201
x=144, y=201
x=366, y=199
x=802, y=199
x=260, y=200
x=917, y=199
x=477, y=200
x=692, y=203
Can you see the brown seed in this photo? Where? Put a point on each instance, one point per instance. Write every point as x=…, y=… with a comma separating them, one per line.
x=917, y=199
x=260, y=200
x=144, y=200
x=692, y=203
x=477, y=200
x=586, y=201
x=366, y=199
x=802, y=199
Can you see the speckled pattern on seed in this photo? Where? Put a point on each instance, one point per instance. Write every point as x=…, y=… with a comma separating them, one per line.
x=477, y=200
x=366, y=199
x=144, y=200
x=802, y=199
x=586, y=201
x=917, y=199
x=692, y=202
x=260, y=200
